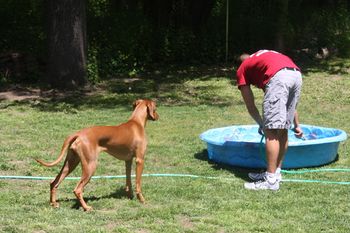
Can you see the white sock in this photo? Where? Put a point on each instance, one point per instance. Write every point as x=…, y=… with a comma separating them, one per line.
x=278, y=170
x=271, y=177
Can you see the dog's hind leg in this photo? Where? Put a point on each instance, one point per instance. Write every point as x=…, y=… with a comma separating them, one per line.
x=88, y=170
x=71, y=162
x=128, y=187
x=88, y=156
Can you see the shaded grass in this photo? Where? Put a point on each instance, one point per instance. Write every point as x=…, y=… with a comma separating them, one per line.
x=187, y=107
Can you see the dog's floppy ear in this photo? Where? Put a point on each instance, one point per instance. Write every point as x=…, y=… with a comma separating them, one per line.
x=137, y=102
x=151, y=108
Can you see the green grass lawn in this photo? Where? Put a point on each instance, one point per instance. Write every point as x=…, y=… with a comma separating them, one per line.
x=189, y=102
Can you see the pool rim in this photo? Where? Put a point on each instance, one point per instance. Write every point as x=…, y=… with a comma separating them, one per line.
x=342, y=136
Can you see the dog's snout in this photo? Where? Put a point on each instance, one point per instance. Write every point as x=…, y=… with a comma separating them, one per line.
x=156, y=116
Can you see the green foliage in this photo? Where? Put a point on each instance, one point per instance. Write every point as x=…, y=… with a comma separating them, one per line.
x=92, y=65
x=131, y=37
x=117, y=40
x=21, y=33
x=21, y=26
x=321, y=26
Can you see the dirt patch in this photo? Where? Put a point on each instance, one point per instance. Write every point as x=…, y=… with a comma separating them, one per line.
x=185, y=222
x=21, y=93
x=18, y=94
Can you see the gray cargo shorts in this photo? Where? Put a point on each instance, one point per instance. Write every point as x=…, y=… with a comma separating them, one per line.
x=281, y=97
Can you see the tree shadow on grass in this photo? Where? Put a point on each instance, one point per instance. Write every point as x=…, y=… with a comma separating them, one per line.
x=309, y=64
x=166, y=86
x=70, y=102
x=238, y=172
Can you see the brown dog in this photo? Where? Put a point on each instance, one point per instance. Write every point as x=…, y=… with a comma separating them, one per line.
x=125, y=141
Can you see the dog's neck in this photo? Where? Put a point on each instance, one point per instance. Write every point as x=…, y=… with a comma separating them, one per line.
x=140, y=115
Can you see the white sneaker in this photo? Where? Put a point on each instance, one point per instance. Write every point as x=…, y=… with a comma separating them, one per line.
x=262, y=185
x=260, y=176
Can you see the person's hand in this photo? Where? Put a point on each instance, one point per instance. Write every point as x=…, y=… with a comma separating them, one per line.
x=298, y=132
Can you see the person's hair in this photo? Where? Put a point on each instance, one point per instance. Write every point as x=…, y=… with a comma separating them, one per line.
x=243, y=57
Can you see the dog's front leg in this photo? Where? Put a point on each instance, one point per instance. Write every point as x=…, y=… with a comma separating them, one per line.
x=128, y=187
x=139, y=170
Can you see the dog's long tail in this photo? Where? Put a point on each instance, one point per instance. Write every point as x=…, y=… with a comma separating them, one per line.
x=69, y=140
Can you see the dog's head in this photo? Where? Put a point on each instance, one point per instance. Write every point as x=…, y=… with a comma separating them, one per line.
x=151, y=108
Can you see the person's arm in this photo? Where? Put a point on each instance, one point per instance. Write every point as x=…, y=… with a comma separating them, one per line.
x=248, y=98
x=298, y=131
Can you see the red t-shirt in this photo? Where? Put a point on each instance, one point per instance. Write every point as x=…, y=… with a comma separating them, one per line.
x=261, y=66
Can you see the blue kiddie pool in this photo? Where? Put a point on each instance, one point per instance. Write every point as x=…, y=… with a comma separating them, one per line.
x=243, y=146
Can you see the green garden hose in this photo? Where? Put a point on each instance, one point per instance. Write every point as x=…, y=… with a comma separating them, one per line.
x=192, y=176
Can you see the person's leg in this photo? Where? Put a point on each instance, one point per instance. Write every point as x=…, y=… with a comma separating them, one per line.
x=270, y=180
x=276, y=144
x=272, y=149
x=283, y=148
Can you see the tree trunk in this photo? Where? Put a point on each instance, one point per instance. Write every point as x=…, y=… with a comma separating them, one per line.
x=282, y=25
x=66, y=43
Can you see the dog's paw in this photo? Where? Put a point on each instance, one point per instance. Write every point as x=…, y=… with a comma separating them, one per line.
x=55, y=204
x=87, y=208
x=141, y=198
x=129, y=193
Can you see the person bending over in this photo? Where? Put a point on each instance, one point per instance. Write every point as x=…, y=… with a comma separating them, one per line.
x=281, y=80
